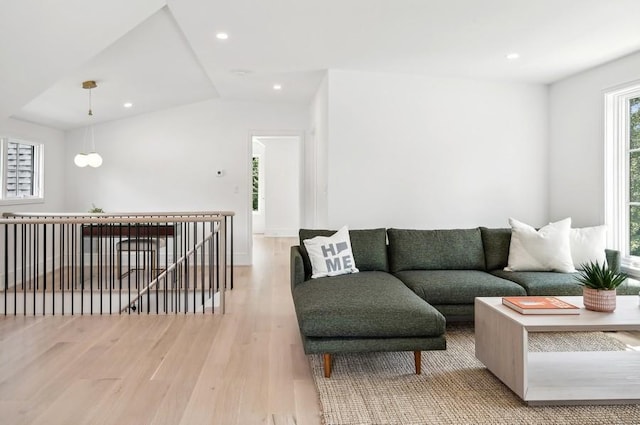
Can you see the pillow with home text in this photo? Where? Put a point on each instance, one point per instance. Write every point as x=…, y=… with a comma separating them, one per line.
x=331, y=255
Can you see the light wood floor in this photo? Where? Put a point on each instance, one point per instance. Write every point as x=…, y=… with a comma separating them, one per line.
x=246, y=367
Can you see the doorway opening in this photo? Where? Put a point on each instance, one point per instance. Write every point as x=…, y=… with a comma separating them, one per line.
x=276, y=175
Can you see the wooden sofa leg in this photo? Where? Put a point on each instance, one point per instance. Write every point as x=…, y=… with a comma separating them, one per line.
x=327, y=365
x=417, y=356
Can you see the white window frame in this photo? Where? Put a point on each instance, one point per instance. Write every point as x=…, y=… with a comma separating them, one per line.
x=38, y=168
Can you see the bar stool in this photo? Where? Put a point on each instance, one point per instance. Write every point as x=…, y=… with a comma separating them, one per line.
x=149, y=246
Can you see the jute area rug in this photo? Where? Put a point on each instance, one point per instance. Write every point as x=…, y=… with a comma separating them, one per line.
x=454, y=388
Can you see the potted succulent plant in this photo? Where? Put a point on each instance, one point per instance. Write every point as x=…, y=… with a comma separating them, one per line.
x=599, y=284
x=95, y=210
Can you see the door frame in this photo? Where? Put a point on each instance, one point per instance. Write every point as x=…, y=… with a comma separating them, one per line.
x=301, y=158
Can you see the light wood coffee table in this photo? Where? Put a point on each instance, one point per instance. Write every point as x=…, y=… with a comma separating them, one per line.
x=609, y=377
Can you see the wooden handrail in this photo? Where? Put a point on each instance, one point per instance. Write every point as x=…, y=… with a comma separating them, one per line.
x=119, y=214
x=102, y=219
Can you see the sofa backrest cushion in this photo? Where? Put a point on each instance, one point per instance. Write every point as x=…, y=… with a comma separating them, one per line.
x=496, y=247
x=369, y=247
x=456, y=249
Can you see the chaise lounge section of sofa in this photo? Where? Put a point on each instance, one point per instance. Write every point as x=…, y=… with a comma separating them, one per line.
x=367, y=311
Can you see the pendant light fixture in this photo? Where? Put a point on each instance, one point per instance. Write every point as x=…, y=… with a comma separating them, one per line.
x=93, y=158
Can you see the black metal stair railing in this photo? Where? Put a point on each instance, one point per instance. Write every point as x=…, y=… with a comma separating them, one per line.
x=125, y=263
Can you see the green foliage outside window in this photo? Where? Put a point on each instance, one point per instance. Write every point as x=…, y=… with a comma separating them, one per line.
x=634, y=176
x=256, y=181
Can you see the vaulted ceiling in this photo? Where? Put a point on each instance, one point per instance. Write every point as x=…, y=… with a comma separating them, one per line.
x=162, y=53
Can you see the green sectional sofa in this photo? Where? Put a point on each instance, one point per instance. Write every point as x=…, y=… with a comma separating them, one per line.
x=411, y=282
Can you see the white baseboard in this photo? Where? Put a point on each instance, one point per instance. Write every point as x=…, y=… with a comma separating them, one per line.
x=241, y=259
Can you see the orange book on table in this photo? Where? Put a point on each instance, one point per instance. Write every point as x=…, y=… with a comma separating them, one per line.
x=540, y=305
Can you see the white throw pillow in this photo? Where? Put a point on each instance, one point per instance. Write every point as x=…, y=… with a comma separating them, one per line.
x=331, y=255
x=588, y=245
x=547, y=249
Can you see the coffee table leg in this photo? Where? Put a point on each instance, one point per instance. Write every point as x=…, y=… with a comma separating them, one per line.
x=502, y=344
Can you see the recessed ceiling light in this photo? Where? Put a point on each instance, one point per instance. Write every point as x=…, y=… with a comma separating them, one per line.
x=128, y=105
x=277, y=87
x=513, y=56
x=222, y=36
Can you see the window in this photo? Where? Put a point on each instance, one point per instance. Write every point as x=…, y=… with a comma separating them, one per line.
x=255, y=196
x=633, y=152
x=21, y=171
x=622, y=173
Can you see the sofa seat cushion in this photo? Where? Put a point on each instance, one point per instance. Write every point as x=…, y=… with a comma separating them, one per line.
x=553, y=283
x=363, y=305
x=629, y=287
x=543, y=283
x=457, y=286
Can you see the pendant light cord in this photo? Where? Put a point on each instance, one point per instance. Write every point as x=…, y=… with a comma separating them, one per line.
x=93, y=158
x=90, y=111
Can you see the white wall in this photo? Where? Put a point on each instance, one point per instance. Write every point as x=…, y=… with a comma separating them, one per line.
x=282, y=185
x=54, y=166
x=316, y=159
x=54, y=187
x=167, y=160
x=427, y=152
x=576, y=106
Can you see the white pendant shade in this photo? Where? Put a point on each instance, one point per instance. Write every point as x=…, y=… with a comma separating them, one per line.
x=82, y=160
x=94, y=159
